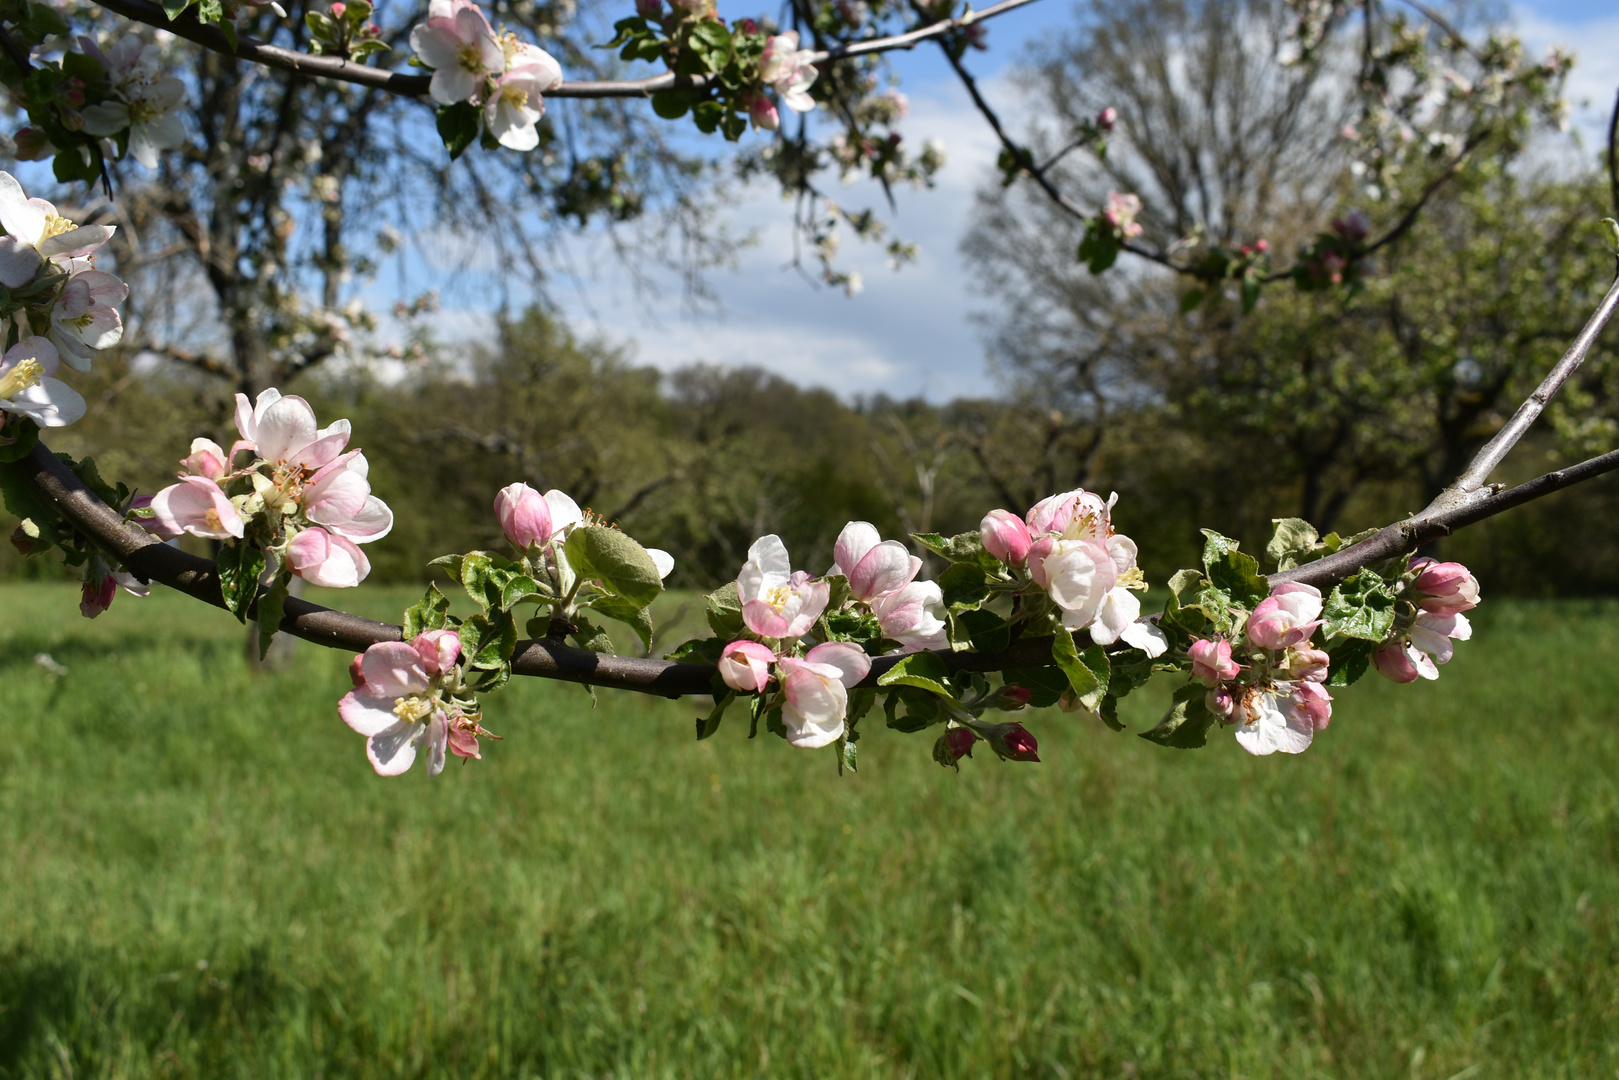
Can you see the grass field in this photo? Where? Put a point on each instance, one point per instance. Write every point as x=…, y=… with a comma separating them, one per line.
x=201, y=877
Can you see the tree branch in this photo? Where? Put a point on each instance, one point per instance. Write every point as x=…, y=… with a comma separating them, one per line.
x=398, y=82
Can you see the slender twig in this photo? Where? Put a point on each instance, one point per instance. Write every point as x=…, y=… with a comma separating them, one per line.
x=397, y=82
x=1484, y=463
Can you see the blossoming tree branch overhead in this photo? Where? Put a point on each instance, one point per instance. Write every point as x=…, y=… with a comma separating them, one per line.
x=1037, y=607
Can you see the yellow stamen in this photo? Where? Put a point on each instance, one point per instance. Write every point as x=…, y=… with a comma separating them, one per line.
x=412, y=708
x=27, y=373
x=777, y=597
x=56, y=225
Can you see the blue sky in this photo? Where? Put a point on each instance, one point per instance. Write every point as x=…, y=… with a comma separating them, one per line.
x=910, y=332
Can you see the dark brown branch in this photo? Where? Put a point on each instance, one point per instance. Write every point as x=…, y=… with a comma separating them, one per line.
x=397, y=82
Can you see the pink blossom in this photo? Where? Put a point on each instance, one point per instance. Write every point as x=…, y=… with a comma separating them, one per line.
x=788, y=69
x=1445, y=588
x=1304, y=664
x=1313, y=700
x=1119, y=214
x=1076, y=574
x=1006, y=537
x=1354, y=226
x=913, y=616
x=96, y=596
x=324, y=558
x=396, y=708
x=745, y=666
x=816, y=691
x=1281, y=718
x=1220, y=702
x=207, y=458
x=462, y=50
x=283, y=431
x=1211, y=661
x=338, y=496
x=762, y=113
x=196, y=505
x=438, y=650
x=1019, y=695
x=1073, y=515
x=778, y=602
x=1107, y=118
x=1287, y=617
x=874, y=566
x=516, y=105
x=530, y=519
x=1416, y=653
x=959, y=742
x=85, y=316
x=28, y=386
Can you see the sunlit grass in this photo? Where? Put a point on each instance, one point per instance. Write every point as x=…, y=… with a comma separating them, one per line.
x=202, y=877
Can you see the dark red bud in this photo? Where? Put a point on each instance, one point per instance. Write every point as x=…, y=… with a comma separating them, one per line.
x=960, y=741
x=1013, y=742
x=1019, y=694
x=748, y=26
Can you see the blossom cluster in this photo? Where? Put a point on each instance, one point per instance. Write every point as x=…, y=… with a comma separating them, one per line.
x=407, y=694
x=56, y=306
x=142, y=99
x=299, y=496
x=787, y=70
x=493, y=72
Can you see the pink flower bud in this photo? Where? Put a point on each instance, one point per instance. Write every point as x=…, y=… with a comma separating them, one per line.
x=959, y=741
x=1308, y=665
x=1012, y=742
x=1445, y=588
x=439, y=650
x=1287, y=617
x=1006, y=537
x=748, y=26
x=524, y=516
x=207, y=458
x=1020, y=694
x=338, y=9
x=356, y=672
x=745, y=666
x=1393, y=663
x=1211, y=661
x=1220, y=702
x=1262, y=245
x=1107, y=118
x=1353, y=226
x=96, y=596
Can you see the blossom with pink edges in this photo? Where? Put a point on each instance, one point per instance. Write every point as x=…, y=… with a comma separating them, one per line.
x=777, y=601
x=463, y=52
x=1211, y=661
x=401, y=701
x=816, y=692
x=874, y=566
x=326, y=558
x=913, y=616
x=1287, y=617
x=530, y=519
x=1282, y=717
x=198, y=506
x=788, y=70
x=28, y=386
x=1418, y=652
x=283, y=431
x=1444, y=588
x=745, y=666
x=207, y=458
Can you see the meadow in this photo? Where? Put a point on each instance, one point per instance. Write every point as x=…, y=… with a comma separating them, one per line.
x=201, y=877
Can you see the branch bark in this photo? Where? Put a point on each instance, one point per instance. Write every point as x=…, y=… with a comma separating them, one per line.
x=397, y=82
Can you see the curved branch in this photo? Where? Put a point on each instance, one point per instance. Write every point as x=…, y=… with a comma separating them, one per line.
x=397, y=82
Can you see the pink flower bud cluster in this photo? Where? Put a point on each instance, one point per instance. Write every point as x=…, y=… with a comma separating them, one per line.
x=1069, y=550
x=1119, y=215
x=306, y=501
x=814, y=688
x=1440, y=593
x=882, y=576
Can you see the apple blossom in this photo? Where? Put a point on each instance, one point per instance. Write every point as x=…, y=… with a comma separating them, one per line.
x=1415, y=653
x=530, y=519
x=515, y=106
x=1074, y=515
x=788, y=69
x=874, y=566
x=27, y=386
x=1282, y=717
x=913, y=616
x=1444, y=588
x=196, y=505
x=148, y=98
x=1288, y=616
x=762, y=113
x=1006, y=537
x=463, y=52
x=207, y=458
x=1304, y=664
x=282, y=430
x=1119, y=214
x=959, y=742
x=338, y=496
x=101, y=585
x=324, y=557
x=84, y=317
x=1013, y=741
x=1119, y=619
x=1107, y=118
x=778, y=602
x=816, y=692
x=1211, y=661
x=745, y=666
x=404, y=698
x=1076, y=574
x=38, y=234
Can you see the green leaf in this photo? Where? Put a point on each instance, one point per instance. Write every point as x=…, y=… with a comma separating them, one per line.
x=1350, y=659
x=860, y=702
x=671, y=104
x=699, y=650
x=967, y=547
x=707, y=725
x=1251, y=285
x=1185, y=585
x=621, y=565
x=848, y=755
x=725, y=611
x=488, y=641
x=239, y=567
x=636, y=618
x=521, y=589
x=1046, y=684
x=1190, y=300
x=175, y=8
x=1186, y=725
x=1234, y=573
x=320, y=26
x=26, y=434
x=590, y=636
x=922, y=710
x=963, y=585
x=706, y=115
x=1295, y=541
x=1088, y=685
x=987, y=631
x=1361, y=606
x=457, y=126
x=272, y=604
x=475, y=570
x=923, y=670
x=626, y=30
x=431, y=612
x=42, y=21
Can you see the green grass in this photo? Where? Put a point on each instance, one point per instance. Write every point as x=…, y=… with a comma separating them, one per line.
x=201, y=877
